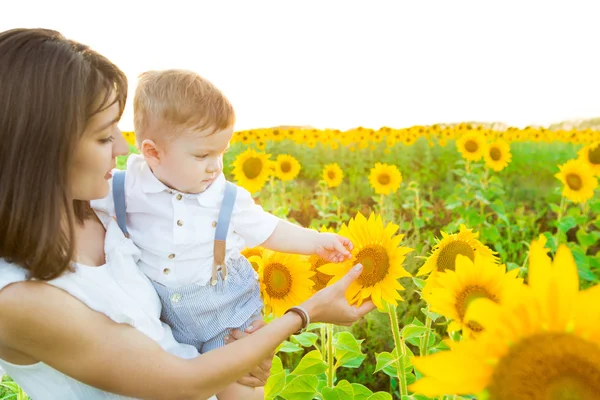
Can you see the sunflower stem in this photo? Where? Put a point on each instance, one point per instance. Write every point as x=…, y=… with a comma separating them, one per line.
x=381, y=203
x=424, y=342
x=586, y=224
x=561, y=211
x=330, y=360
x=324, y=343
x=400, y=350
x=484, y=185
x=417, y=211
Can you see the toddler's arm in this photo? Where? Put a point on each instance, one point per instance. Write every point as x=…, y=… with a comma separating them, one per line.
x=290, y=238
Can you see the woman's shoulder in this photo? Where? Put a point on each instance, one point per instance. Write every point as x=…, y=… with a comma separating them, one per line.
x=17, y=289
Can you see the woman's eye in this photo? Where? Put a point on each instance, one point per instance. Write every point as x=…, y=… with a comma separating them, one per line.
x=202, y=156
x=107, y=139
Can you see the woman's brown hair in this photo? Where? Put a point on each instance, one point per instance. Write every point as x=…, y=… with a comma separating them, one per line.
x=49, y=89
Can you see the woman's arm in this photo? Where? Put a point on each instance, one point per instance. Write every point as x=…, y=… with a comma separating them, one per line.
x=50, y=325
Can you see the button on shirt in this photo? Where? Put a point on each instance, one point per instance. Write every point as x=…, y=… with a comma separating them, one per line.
x=175, y=231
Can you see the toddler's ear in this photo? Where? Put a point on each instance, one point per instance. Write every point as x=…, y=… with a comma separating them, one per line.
x=151, y=152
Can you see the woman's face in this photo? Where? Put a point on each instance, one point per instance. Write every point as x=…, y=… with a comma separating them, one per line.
x=95, y=155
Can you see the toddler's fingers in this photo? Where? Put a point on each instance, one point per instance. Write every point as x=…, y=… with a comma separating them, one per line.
x=341, y=248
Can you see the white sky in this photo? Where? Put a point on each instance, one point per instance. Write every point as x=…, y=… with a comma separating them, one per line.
x=341, y=64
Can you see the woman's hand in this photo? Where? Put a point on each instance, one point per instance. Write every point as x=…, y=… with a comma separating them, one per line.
x=259, y=374
x=330, y=304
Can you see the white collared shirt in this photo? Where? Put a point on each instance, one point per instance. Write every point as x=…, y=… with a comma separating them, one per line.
x=175, y=231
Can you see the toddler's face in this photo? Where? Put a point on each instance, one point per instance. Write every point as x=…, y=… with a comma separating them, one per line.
x=192, y=162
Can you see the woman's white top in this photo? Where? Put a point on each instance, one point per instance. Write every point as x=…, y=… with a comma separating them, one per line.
x=117, y=289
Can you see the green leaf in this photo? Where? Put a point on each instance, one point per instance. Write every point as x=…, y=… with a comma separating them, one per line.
x=413, y=331
x=289, y=347
x=384, y=361
x=430, y=314
x=301, y=388
x=306, y=339
x=491, y=234
x=311, y=364
x=498, y=208
x=347, y=350
x=276, y=381
x=551, y=243
x=583, y=267
x=419, y=283
x=566, y=223
x=380, y=396
x=587, y=239
x=361, y=392
x=276, y=366
x=314, y=326
x=511, y=265
x=595, y=205
x=342, y=391
x=418, y=223
x=555, y=208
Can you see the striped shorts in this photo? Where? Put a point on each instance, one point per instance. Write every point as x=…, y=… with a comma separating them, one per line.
x=202, y=316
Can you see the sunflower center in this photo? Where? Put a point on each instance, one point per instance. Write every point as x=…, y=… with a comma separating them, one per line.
x=383, y=179
x=252, y=167
x=548, y=366
x=574, y=181
x=330, y=174
x=469, y=294
x=286, y=167
x=594, y=155
x=495, y=154
x=375, y=262
x=278, y=280
x=447, y=257
x=471, y=146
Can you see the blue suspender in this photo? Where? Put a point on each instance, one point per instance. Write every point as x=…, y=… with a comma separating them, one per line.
x=222, y=228
x=119, y=200
x=223, y=222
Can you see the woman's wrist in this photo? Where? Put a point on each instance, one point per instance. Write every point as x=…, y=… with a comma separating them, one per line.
x=296, y=319
x=311, y=310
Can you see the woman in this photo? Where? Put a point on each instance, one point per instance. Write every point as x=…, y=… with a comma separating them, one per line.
x=78, y=319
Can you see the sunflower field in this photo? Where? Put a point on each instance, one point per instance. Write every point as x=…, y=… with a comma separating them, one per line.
x=480, y=245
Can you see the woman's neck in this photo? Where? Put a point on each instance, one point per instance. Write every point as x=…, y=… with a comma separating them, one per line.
x=90, y=235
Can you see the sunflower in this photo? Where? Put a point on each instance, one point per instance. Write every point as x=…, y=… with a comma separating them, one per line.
x=287, y=167
x=543, y=343
x=251, y=252
x=469, y=281
x=385, y=178
x=497, y=155
x=377, y=249
x=320, y=279
x=285, y=280
x=591, y=155
x=333, y=175
x=443, y=255
x=251, y=170
x=471, y=145
x=129, y=137
x=579, y=181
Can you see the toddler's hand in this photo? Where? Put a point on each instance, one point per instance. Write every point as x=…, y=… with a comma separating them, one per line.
x=334, y=248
